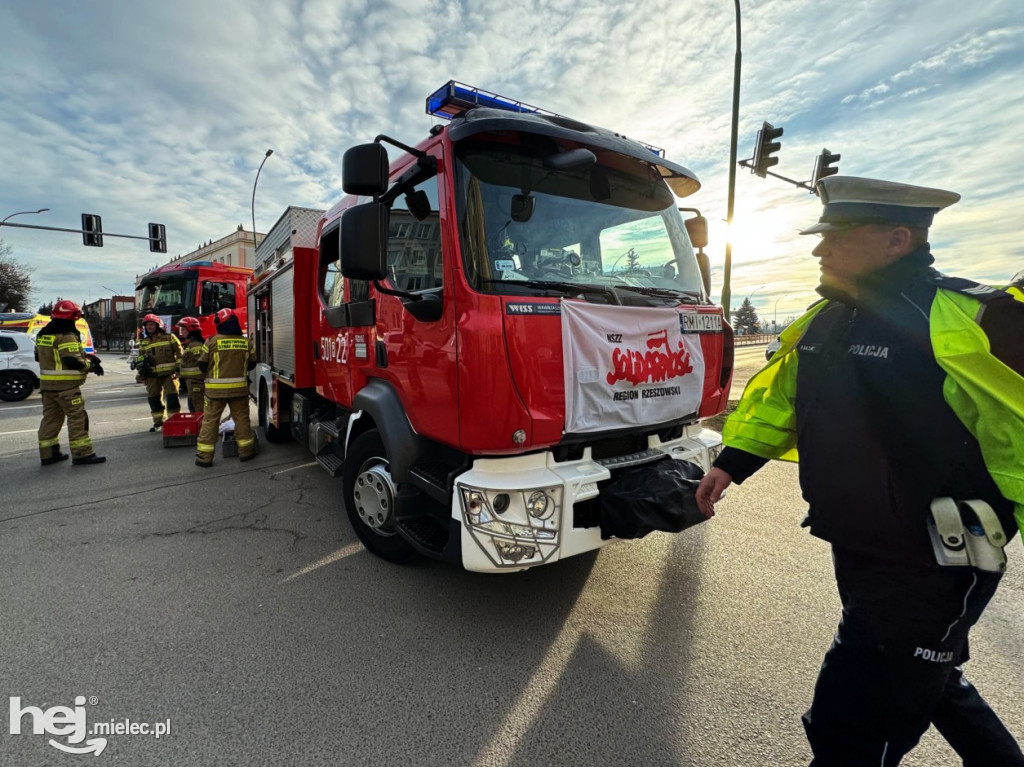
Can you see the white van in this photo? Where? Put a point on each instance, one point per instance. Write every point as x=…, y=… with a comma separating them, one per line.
x=19, y=371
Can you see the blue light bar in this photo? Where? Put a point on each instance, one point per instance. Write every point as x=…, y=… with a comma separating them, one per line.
x=454, y=98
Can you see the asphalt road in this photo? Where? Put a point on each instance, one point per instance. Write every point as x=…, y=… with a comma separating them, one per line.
x=236, y=604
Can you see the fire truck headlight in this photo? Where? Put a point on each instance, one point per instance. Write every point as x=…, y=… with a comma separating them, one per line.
x=478, y=510
x=539, y=505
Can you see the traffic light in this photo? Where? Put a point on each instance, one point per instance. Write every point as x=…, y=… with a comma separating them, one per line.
x=823, y=166
x=766, y=144
x=157, y=238
x=92, y=230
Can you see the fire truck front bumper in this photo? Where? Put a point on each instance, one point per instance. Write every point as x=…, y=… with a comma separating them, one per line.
x=519, y=512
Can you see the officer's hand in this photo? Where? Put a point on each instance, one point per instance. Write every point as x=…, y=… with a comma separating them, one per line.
x=96, y=367
x=710, y=490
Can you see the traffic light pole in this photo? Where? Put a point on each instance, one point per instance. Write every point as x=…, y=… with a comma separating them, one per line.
x=749, y=163
x=76, y=231
x=727, y=271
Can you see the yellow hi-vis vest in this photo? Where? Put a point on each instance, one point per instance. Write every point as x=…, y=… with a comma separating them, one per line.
x=986, y=395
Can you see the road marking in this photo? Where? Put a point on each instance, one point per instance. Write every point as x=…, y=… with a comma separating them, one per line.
x=344, y=551
x=293, y=468
x=23, y=431
x=94, y=400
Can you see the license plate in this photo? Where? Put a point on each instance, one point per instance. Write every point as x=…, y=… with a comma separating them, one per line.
x=696, y=322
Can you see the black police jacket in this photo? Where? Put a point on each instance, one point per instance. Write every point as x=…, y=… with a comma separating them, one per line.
x=876, y=439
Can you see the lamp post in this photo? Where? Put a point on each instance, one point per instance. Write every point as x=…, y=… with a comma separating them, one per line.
x=254, y=243
x=727, y=274
x=775, y=312
x=22, y=213
x=750, y=295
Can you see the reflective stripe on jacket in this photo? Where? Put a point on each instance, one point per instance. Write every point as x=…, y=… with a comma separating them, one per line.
x=53, y=375
x=228, y=360
x=164, y=350
x=190, y=360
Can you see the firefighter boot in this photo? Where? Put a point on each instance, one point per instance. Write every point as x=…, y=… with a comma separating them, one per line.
x=55, y=456
x=173, y=404
x=85, y=460
x=156, y=409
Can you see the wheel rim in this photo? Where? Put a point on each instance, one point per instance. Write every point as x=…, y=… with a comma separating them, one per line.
x=13, y=385
x=374, y=496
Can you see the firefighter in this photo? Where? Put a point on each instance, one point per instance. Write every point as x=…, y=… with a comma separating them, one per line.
x=159, y=353
x=191, y=335
x=63, y=366
x=902, y=388
x=225, y=360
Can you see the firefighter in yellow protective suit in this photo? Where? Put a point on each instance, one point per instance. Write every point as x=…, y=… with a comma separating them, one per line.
x=62, y=369
x=189, y=374
x=159, y=353
x=225, y=360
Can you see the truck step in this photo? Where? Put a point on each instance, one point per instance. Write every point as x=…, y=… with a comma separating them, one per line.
x=426, y=532
x=431, y=478
x=330, y=462
x=331, y=427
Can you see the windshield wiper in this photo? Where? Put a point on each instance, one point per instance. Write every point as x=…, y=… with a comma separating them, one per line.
x=562, y=287
x=692, y=296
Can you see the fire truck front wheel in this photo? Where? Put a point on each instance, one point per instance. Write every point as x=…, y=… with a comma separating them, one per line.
x=370, y=499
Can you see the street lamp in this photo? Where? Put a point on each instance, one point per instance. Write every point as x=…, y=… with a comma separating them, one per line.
x=254, y=243
x=22, y=213
x=775, y=312
x=750, y=295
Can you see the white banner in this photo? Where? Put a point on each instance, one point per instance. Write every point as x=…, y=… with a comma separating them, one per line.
x=627, y=366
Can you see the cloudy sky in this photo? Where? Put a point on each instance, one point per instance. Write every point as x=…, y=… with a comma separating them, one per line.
x=162, y=112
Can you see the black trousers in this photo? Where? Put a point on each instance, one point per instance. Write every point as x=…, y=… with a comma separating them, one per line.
x=894, y=668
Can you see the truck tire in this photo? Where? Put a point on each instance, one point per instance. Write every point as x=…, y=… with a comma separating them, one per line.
x=15, y=386
x=370, y=499
x=271, y=432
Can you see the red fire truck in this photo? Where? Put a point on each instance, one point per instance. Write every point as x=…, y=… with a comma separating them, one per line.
x=195, y=288
x=490, y=331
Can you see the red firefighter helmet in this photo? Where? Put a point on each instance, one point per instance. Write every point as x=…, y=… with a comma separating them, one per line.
x=66, y=310
x=189, y=324
x=223, y=316
x=153, y=318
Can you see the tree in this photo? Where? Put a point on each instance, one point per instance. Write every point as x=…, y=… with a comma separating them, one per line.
x=45, y=308
x=746, y=318
x=15, y=282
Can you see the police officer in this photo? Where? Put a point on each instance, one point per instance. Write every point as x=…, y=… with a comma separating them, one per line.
x=901, y=387
x=192, y=341
x=225, y=360
x=159, y=353
x=63, y=366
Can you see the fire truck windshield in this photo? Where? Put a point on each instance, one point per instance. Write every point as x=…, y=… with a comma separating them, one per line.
x=167, y=295
x=605, y=225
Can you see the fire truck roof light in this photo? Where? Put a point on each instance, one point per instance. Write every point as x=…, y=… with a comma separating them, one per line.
x=453, y=98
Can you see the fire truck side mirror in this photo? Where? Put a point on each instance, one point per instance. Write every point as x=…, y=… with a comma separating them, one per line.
x=697, y=229
x=364, y=170
x=364, y=237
